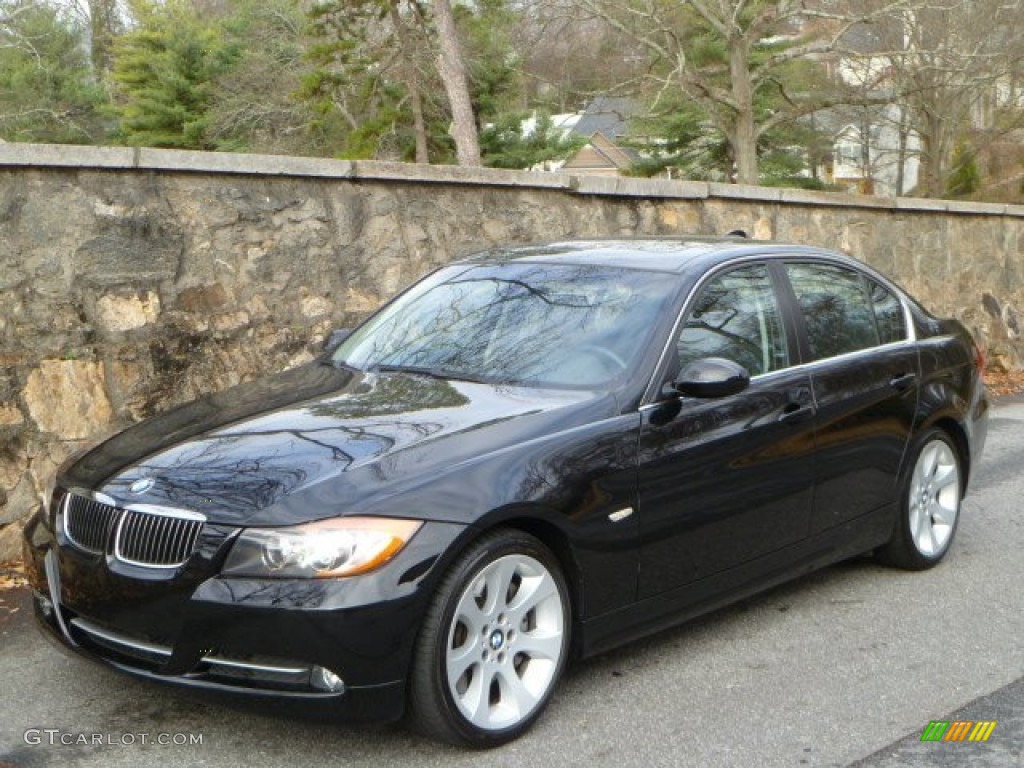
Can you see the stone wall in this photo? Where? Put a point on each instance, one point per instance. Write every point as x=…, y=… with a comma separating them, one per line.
x=132, y=280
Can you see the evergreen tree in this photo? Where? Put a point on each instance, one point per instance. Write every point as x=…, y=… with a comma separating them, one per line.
x=964, y=177
x=165, y=69
x=255, y=103
x=370, y=86
x=506, y=144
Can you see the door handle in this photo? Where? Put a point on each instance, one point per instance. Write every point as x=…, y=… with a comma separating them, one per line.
x=903, y=381
x=794, y=412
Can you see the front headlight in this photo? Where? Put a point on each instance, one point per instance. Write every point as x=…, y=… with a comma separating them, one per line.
x=344, y=546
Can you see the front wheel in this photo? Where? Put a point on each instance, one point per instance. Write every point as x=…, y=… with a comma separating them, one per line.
x=493, y=644
x=929, y=507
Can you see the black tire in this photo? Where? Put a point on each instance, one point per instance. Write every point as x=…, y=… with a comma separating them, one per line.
x=929, y=507
x=512, y=658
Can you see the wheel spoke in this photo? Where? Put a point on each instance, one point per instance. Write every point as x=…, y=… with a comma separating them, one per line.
x=929, y=457
x=513, y=693
x=924, y=534
x=470, y=615
x=462, y=658
x=476, y=701
x=940, y=515
x=945, y=475
x=547, y=645
x=533, y=591
x=918, y=521
x=499, y=578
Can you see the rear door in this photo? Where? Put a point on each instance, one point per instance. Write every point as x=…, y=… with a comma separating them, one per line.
x=864, y=373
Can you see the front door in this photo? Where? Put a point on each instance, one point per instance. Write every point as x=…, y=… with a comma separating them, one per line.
x=725, y=481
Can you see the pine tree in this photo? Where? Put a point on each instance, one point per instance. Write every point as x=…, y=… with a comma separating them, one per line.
x=165, y=70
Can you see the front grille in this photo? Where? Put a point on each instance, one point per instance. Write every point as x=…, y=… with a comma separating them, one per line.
x=88, y=523
x=144, y=534
x=144, y=538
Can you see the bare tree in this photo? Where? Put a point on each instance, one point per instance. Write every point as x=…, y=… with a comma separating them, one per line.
x=412, y=76
x=453, y=74
x=727, y=55
x=12, y=33
x=952, y=62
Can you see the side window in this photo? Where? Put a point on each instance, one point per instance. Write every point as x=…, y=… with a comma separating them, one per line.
x=892, y=323
x=837, y=311
x=736, y=317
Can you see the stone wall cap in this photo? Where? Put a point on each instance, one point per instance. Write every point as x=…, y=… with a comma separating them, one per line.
x=842, y=199
x=189, y=161
x=66, y=155
x=744, y=192
x=626, y=186
x=920, y=204
x=376, y=170
x=966, y=206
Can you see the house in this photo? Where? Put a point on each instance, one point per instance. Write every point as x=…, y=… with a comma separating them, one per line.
x=600, y=157
x=605, y=124
x=873, y=152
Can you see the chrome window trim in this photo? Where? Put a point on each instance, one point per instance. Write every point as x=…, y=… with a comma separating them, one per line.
x=806, y=367
x=652, y=397
x=909, y=329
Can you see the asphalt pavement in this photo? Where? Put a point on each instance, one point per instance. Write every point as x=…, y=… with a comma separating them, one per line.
x=845, y=667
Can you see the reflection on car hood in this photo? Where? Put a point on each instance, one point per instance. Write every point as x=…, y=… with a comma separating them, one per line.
x=234, y=454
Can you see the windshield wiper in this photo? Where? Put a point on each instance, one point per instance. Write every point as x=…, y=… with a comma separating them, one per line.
x=434, y=373
x=341, y=364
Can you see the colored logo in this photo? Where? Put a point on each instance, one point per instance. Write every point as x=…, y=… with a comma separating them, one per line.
x=958, y=730
x=142, y=485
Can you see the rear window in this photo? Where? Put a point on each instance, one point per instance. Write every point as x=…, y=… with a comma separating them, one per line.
x=837, y=311
x=892, y=323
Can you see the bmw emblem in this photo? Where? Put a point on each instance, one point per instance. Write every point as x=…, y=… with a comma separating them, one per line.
x=142, y=485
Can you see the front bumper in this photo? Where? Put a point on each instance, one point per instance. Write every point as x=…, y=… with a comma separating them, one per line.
x=340, y=645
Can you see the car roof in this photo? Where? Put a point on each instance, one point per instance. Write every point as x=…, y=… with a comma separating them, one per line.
x=660, y=254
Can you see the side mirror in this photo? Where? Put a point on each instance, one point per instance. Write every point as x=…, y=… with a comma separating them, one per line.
x=711, y=377
x=334, y=339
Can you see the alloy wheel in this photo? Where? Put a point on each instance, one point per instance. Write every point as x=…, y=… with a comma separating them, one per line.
x=934, y=498
x=505, y=642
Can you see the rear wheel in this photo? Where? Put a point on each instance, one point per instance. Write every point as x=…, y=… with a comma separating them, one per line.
x=929, y=507
x=493, y=644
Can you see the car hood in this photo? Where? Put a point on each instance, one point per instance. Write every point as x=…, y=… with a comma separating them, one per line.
x=335, y=438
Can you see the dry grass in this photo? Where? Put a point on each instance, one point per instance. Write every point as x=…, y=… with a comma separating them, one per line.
x=12, y=574
x=1004, y=384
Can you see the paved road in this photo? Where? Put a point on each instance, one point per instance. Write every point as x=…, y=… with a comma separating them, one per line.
x=843, y=667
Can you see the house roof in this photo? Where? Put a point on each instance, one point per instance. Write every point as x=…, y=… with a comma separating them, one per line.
x=607, y=115
x=602, y=153
x=863, y=38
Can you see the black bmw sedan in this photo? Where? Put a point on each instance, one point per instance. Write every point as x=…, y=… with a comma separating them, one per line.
x=529, y=455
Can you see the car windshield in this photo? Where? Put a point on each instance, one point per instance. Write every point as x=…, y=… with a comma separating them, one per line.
x=524, y=324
